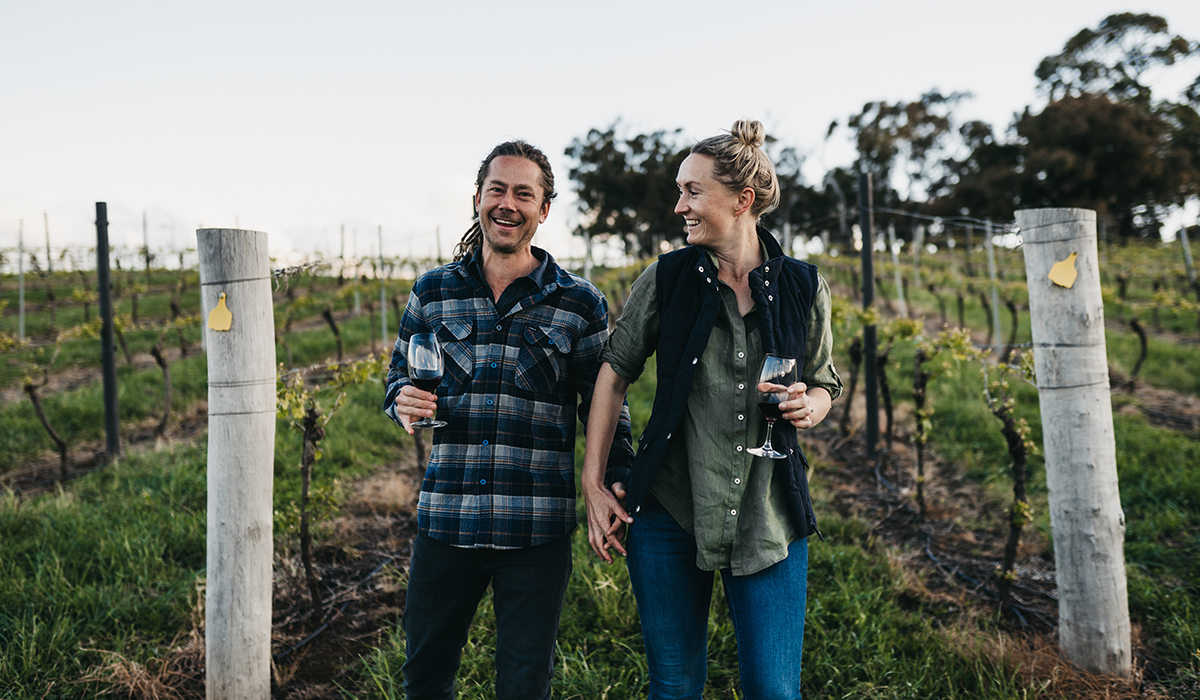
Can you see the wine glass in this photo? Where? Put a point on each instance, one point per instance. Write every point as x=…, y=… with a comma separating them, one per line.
x=776, y=375
x=425, y=367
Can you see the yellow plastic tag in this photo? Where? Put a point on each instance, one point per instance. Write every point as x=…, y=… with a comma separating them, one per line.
x=219, y=319
x=1063, y=272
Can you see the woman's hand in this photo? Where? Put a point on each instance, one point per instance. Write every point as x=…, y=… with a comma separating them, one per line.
x=605, y=509
x=805, y=407
x=413, y=404
x=606, y=519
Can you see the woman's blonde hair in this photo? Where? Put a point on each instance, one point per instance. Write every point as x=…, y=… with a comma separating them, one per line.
x=739, y=162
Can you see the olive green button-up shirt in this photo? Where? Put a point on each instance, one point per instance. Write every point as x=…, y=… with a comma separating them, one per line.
x=731, y=501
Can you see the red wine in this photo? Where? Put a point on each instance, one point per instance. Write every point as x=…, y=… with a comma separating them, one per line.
x=770, y=409
x=423, y=381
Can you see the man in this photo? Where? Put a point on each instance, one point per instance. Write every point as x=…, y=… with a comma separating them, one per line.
x=521, y=339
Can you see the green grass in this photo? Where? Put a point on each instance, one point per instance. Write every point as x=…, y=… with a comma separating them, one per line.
x=1160, y=493
x=153, y=310
x=78, y=415
x=112, y=562
x=1159, y=478
x=1168, y=365
x=860, y=640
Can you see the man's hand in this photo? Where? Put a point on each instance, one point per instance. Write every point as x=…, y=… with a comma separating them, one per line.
x=606, y=519
x=804, y=409
x=413, y=404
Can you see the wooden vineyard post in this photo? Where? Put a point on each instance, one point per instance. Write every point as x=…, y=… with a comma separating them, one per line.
x=238, y=322
x=383, y=323
x=1187, y=255
x=108, y=362
x=991, y=256
x=1067, y=320
x=866, y=218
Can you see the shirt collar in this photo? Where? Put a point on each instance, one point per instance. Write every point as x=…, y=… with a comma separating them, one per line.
x=541, y=275
x=762, y=248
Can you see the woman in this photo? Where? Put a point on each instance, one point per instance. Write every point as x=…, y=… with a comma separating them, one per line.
x=695, y=500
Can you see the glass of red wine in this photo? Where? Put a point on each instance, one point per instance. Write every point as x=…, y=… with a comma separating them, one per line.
x=425, y=367
x=776, y=375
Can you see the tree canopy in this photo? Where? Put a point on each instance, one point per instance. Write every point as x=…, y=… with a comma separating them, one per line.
x=1092, y=152
x=1113, y=58
x=626, y=187
x=1103, y=140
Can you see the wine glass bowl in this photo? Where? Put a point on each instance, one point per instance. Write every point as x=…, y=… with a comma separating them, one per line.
x=774, y=377
x=425, y=369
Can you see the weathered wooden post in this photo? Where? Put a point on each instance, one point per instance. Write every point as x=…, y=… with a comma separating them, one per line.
x=1187, y=254
x=21, y=280
x=383, y=327
x=991, y=256
x=896, y=274
x=108, y=359
x=235, y=299
x=1067, y=318
x=866, y=218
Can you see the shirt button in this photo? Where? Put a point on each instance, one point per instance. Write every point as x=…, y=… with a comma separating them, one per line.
x=695, y=360
x=770, y=298
x=741, y=386
x=739, y=448
x=741, y=417
x=493, y=365
x=741, y=355
x=552, y=342
x=766, y=268
x=499, y=327
x=489, y=402
x=483, y=481
x=701, y=268
x=767, y=283
x=708, y=279
x=485, y=442
x=737, y=481
x=733, y=512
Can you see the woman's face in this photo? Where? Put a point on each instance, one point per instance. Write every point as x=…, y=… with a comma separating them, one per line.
x=706, y=205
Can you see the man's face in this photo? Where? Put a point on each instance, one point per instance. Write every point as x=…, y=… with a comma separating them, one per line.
x=511, y=204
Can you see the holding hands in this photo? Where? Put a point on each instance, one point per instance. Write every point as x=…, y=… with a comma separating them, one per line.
x=606, y=519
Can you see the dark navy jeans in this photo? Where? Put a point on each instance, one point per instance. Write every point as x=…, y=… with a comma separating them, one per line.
x=445, y=586
x=673, y=597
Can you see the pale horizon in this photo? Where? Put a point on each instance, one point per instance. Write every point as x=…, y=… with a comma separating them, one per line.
x=296, y=120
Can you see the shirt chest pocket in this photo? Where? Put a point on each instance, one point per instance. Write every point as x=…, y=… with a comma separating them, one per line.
x=542, y=360
x=458, y=351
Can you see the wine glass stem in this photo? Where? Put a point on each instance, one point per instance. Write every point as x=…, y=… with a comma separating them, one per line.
x=767, y=443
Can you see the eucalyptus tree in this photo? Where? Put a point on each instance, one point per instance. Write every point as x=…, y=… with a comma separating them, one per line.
x=1100, y=89
x=626, y=187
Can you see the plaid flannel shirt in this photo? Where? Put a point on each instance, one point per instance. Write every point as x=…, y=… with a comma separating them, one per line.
x=501, y=475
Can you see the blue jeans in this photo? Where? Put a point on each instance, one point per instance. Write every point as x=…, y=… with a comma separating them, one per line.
x=445, y=586
x=673, y=598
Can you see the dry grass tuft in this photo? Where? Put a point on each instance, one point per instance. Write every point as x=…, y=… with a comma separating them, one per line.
x=176, y=675
x=1037, y=662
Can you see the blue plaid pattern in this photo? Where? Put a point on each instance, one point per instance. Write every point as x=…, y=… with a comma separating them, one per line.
x=501, y=475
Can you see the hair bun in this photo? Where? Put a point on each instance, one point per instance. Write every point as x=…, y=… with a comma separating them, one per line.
x=749, y=132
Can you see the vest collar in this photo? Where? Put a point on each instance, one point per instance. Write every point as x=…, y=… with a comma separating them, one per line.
x=772, y=254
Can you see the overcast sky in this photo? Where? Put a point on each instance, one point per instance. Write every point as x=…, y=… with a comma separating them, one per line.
x=297, y=118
